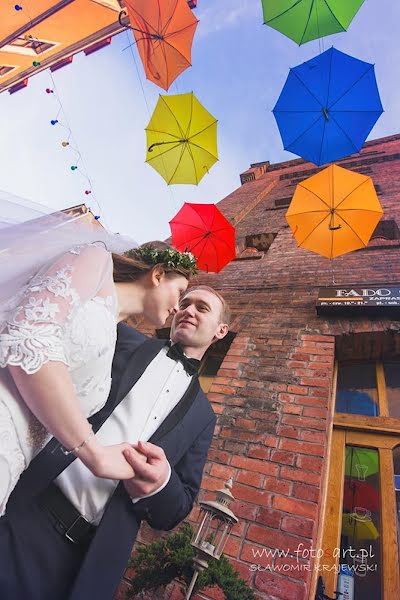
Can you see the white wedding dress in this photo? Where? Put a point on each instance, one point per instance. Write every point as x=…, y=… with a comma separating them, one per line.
x=67, y=312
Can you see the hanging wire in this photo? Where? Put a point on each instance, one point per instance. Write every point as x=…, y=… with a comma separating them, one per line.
x=79, y=163
x=173, y=199
x=64, y=121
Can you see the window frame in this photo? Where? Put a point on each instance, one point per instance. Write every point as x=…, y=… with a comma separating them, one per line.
x=382, y=433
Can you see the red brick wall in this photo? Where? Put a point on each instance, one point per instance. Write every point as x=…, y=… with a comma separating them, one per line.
x=273, y=391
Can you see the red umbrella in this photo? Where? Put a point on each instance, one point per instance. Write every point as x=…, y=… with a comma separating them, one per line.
x=203, y=230
x=359, y=493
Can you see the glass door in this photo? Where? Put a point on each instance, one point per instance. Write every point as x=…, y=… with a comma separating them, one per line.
x=360, y=542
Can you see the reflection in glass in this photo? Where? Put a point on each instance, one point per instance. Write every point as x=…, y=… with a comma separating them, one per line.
x=356, y=389
x=360, y=547
x=396, y=465
x=392, y=380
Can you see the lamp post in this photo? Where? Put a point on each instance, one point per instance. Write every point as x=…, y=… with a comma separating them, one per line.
x=215, y=526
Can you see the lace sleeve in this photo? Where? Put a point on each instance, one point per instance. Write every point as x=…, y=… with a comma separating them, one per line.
x=33, y=331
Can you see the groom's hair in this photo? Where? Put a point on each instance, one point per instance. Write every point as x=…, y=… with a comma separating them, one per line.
x=225, y=315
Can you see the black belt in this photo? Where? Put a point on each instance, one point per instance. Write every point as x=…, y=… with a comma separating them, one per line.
x=68, y=521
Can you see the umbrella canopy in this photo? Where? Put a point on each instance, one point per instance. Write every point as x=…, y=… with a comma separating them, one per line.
x=305, y=20
x=360, y=493
x=164, y=34
x=181, y=139
x=358, y=529
x=334, y=212
x=327, y=107
x=203, y=230
x=356, y=403
x=361, y=462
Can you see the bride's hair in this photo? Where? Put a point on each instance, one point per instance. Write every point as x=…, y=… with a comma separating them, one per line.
x=131, y=265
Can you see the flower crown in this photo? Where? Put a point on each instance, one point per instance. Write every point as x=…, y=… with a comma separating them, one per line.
x=170, y=257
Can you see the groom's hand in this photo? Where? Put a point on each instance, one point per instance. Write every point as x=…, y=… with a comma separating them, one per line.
x=150, y=474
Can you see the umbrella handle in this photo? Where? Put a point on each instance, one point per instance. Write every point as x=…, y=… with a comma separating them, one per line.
x=123, y=14
x=334, y=228
x=150, y=148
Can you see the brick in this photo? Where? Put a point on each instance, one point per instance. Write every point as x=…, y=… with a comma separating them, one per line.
x=269, y=517
x=300, y=475
x=314, y=382
x=293, y=568
x=309, y=463
x=318, y=338
x=219, y=456
x=245, y=424
x=298, y=526
x=306, y=492
x=280, y=586
x=294, y=506
x=282, y=457
x=296, y=389
x=221, y=471
x=315, y=412
x=251, y=464
x=245, y=511
x=242, y=569
x=259, y=452
x=278, y=486
x=251, y=478
x=232, y=547
x=272, y=538
x=304, y=422
x=252, y=495
x=313, y=436
x=257, y=555
x=301, y=447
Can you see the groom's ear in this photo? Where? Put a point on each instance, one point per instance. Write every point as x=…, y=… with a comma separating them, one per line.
x=221, y=332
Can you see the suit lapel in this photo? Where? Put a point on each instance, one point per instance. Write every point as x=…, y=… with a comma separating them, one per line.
x=126, y=374
x=178, y=412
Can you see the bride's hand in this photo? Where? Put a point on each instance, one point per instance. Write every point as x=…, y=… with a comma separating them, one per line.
x=109, y=462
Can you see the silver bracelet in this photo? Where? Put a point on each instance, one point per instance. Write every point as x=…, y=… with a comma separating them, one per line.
x=78, y=448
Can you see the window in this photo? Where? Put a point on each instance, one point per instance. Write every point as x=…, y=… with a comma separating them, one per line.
x=4, y=69
x=387, y=230
x=370, y=388
x=255, y=245
x=356, y=391
x=113, y=4
x=362, y=508
x=28, y=45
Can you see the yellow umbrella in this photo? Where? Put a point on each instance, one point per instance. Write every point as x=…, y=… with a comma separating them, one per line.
x=181, y=139
x=334, y=212
x=357, y=529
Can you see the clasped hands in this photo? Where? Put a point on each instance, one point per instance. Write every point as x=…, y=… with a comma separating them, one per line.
x=143, y=466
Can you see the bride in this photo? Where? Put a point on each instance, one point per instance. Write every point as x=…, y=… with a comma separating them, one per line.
x=58, y=334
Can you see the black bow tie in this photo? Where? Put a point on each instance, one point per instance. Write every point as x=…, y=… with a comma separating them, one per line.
x=191, y=365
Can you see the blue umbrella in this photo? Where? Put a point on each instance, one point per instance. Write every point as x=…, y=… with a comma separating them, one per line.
x=328, y=106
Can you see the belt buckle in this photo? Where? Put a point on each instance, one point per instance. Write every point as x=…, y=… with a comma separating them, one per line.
x=69, y=534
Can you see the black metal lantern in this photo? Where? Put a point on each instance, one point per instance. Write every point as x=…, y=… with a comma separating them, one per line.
x=215, y=526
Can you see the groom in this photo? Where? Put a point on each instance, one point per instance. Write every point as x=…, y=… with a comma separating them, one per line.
x=48, y=550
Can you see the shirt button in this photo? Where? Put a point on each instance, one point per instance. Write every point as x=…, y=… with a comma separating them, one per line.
x=155, y=418
x=167, y=391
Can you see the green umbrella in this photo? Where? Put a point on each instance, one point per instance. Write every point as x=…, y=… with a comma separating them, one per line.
x=361, y=462
x=305, y=20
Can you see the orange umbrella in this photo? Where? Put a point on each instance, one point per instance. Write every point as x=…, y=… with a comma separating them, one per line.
x=164, y=33
x=334, y=212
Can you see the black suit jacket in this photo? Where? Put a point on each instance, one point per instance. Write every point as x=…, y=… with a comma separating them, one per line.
x=185, y=436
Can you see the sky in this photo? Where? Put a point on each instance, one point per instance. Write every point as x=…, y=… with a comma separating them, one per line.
x=239, y=68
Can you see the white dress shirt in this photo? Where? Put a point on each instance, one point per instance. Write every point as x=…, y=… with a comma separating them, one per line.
x=137, y=417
